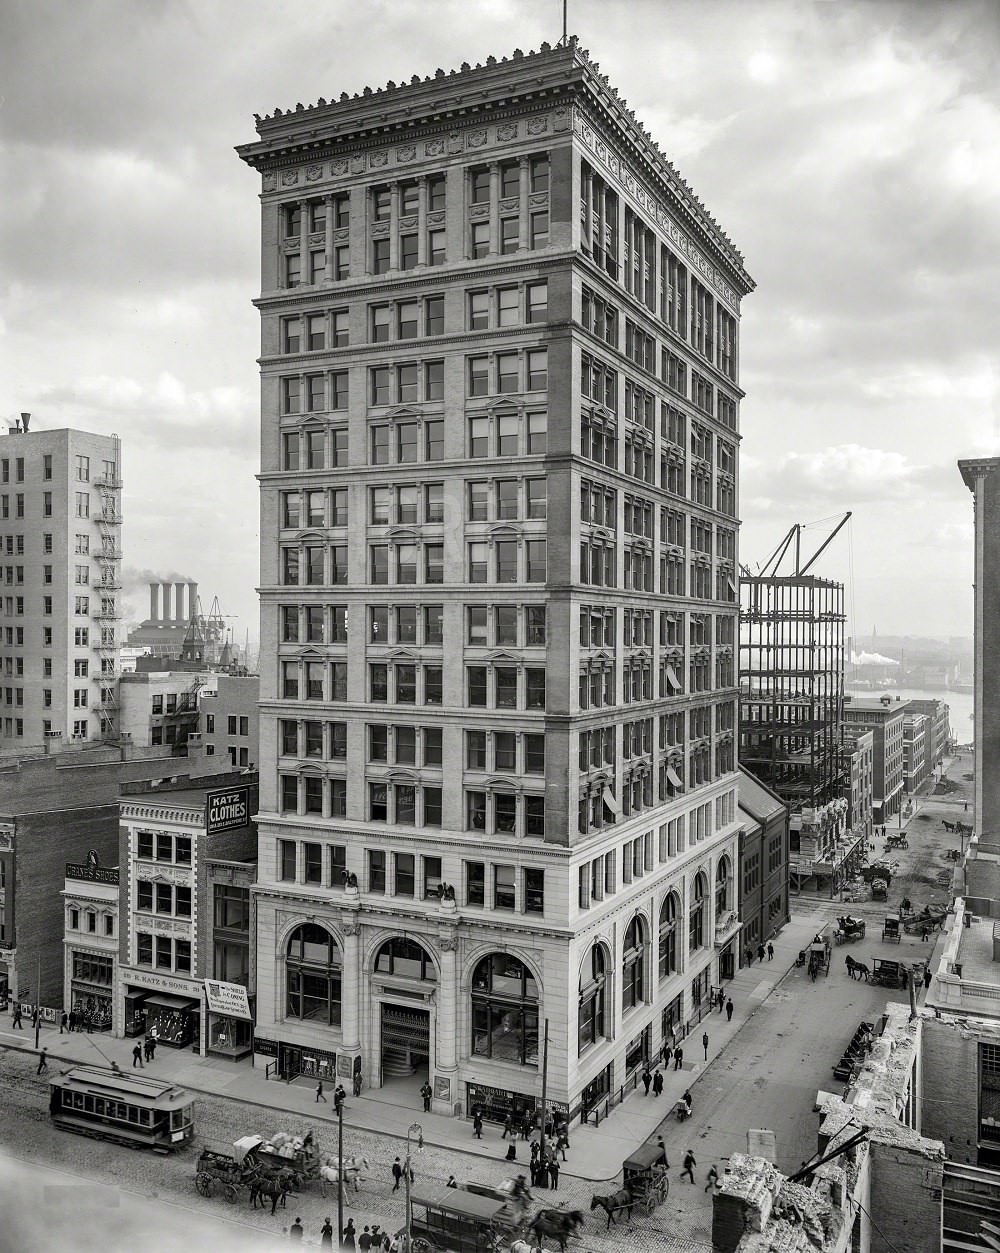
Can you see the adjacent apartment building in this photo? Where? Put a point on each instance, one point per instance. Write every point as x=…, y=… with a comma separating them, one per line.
x=886, y=720
x=61, y=546
x=500, y=393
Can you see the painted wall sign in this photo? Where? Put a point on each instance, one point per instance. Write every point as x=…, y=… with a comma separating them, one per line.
x=226, y=809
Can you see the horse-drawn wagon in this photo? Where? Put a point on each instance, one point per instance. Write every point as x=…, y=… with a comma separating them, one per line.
x=849, y=928
x=927, y=919
x=898, y=840
x=890, y=929
x=218, y=1170
x=645, y=1176
x=890, y=974
x=819, y=956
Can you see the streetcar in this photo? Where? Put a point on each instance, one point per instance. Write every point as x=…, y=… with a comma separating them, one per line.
x=137, y=1111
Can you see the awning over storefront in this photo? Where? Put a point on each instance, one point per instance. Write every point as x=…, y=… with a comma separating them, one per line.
x=166, y=1001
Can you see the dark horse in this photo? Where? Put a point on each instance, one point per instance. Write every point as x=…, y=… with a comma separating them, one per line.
x=856, y=968
x=557, y=1224
x=621, y=1200
x=273, y=1188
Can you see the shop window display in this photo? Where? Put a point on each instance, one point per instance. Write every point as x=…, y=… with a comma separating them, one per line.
x=505, y=1010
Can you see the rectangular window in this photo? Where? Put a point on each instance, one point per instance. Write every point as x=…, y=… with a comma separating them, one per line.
x=534, y=891
x=287, y=860
x=403, y=865
x=376, y=870
x=503, y=887
x=475, y=883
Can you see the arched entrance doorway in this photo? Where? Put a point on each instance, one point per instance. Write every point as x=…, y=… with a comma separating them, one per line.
x=405, y=976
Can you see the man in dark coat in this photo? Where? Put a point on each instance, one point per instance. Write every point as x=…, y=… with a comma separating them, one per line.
x=678, y=1057
x=397, y=1174
x=657, y=1083
x=729, y=1010
x=427, y=1092
x=647, y=1079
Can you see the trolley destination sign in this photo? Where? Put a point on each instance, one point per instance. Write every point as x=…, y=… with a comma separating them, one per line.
x=227, y=808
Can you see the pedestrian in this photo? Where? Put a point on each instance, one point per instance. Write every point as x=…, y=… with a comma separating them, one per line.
x=678, y=1057
x=339, y=1097
x=357, y=1092
x=16, y=1020
x=72, y=1020
x=295, y=1231
x=511, y=1152
x=508, y=1128
x=397, y=1174
x=663, y=1153
x=689, y=1165
x=721, y=1000
x=760, y=952
x=366, y=1239
x=647, y=1079
x=554, y=1171
x=347, y=1240
x=533, y=1170
x=137, y=1057
x=770, y=954
x=657, y=1083
x=43, y=1063
x=386, y=1242
x=713, y=1178
x=477, y=1125
x=729, y=1010
x=147, y=1049
x=451, y=1182
x=562, y=1143
x=326, y=1234
x=927, y=976
x=749, y=956
x=965, y=808
x=319, y=1092
x=63, y=1022
x=527, y=1126
x=427, y=1092
x=152, y=1048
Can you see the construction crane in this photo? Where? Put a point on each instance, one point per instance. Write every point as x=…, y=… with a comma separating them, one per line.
x=773, y=564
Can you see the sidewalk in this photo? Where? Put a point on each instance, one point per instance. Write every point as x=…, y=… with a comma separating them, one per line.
x=597, y=1152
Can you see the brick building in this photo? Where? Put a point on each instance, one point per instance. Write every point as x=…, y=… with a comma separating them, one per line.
x=886, y=721
x=763, y=864
x=229, y=724
x=61, y=546
x=173, y=838
x=90, y=899
x=499, y=355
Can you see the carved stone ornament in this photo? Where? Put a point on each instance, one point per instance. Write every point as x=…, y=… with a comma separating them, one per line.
x=538, y=197
x=538, y=125
x=561, y=119
x=342, y=236
x=378, y=159
x=506, y=132
x=338, y=168
x=507, y=206
x=289, y=178
x=477, y=138
x=407, y=153
x=434, y=148
x=357, y=165
x=436, y=218
x=351, y=926
x=479, y=211
x=379, y=229
x=313, y=173
x=455, y=143
x=270, y=182
x=448, y=942
x=318, y=238
x=408, y=221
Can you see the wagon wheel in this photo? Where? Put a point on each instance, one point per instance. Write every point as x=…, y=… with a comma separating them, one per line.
x=420, y=1245
x=231, y=1193
x=650, y=1202
x=664, y=1189
x=205, y=1183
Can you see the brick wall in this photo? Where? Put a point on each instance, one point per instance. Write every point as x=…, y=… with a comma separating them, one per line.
x=906, y=1190
x=950, y=1084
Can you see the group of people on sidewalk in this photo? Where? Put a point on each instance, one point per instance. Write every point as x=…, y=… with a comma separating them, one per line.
x=371, y=1240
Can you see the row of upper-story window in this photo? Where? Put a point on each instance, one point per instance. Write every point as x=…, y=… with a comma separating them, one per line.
x=90, y=921
x=599, y=507
x=108, y=552
x=626, y=248
x=410, y=875
x=13, y=606
x=81, y=469
x=607, y=387
x=597, y=746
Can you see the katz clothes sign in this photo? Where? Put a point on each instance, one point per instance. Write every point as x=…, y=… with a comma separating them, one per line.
x=227, y=808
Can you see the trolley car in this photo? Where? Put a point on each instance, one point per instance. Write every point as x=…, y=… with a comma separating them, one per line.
x=137, y=1111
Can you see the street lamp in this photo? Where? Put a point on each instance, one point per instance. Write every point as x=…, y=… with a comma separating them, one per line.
x=414, y=1129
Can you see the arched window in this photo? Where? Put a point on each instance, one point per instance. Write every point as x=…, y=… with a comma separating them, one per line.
x=406, y=959
x=505, y=1010
x=668, y=935
x=312, y=975
x=593, y=988
x=633, y=964
x=696, y=923
x=722, y=887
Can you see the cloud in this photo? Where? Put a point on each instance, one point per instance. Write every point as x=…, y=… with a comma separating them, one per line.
x=844, y=474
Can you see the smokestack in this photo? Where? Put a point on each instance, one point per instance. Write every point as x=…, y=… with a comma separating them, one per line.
x=25, y=419
x=179, y=615
x=154, y=602
x=192, y=599
x=165, y=605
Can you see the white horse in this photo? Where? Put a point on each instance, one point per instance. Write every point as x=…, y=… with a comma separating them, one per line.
x=349, y=1172
x=522, y=1246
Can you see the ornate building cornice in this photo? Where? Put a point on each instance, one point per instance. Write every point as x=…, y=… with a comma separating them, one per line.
x=976, y=469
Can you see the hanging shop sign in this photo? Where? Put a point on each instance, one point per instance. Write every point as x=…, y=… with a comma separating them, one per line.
x=230, y=999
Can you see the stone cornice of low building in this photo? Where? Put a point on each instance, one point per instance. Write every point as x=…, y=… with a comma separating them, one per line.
x=557, y=75
x=975, y=469
x=153, y=810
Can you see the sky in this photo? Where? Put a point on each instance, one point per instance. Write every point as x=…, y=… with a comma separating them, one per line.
x=850, y=149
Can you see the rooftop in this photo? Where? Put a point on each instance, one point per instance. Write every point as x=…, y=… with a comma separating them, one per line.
x=757, y=799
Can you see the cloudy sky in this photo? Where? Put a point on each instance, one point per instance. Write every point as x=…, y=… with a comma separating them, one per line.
x=850, y=149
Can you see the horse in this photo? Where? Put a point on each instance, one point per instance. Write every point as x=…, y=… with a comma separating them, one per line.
x=623, y=1199
x=856, y=968
x=522, y=1246
x=949, y=826
x=557, y=1224
x=349, y=1172
x=274, y=1187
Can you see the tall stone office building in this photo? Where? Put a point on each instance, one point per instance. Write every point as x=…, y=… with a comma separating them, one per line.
x=499, y=375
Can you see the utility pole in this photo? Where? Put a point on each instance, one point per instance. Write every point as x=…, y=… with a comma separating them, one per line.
x=413, y=1129
x=340, y=1174
x=545, y=1084
x=38, y=999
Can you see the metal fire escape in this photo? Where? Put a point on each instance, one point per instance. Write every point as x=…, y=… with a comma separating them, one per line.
x=107, y=610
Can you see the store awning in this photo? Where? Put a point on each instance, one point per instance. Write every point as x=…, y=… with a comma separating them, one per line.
x=609, y=799
x=674, y=777
x=672, y=679
x=165, y=1001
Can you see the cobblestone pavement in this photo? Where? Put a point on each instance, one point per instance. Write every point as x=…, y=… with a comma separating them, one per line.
x=683, y=1223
